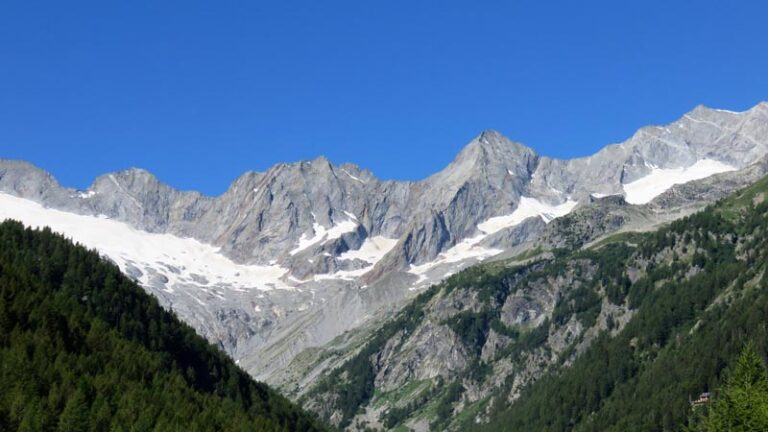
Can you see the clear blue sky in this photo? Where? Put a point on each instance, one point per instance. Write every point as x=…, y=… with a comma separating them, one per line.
x=200, y=91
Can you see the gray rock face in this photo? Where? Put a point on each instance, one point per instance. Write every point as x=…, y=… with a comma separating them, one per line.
x=349, y=242
x=484, y=335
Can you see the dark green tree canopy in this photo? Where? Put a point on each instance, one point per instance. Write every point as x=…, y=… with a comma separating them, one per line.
x=83, y=348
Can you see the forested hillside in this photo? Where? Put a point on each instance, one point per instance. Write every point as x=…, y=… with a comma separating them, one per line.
x=615, y=336
x=82, y=348
x=695, y=312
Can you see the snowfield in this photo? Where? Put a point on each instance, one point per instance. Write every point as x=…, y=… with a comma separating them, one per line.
x=659, y=180
x=178, y=259
x=528, y=207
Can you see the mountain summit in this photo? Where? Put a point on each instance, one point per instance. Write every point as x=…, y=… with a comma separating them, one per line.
x=490, y=155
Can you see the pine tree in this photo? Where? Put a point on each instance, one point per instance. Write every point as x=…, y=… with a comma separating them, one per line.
x=742, y=404
x=76, y=412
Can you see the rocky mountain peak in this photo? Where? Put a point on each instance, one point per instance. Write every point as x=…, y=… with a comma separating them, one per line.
x=318, y=164
x=490, y=156
x=134, y=182
x=491, y=147
x=135, y=176
x=25, y=180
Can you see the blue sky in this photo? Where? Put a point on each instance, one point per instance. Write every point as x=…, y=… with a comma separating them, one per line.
x=199, y=92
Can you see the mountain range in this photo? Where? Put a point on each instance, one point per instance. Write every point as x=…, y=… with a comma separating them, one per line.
x=291, y=268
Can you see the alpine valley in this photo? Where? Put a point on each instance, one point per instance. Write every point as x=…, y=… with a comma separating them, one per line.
x=509, y=291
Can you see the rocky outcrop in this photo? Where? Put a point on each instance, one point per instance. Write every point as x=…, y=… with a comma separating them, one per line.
x=469, y=346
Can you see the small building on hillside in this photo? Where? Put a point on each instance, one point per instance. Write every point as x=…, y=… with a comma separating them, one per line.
x=703, y=399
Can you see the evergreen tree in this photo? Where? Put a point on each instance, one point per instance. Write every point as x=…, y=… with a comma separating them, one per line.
x=75, y=416
x=742, y=404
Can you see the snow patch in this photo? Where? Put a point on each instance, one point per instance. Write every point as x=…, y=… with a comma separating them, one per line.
x=372, y=250
x=599, y=195
x=644, y=190
x=528, y=207
x=466, y=249
x=323, y=235
x=470, y=248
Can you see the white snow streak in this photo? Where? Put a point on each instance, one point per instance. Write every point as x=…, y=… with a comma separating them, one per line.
x=726, y=111
x=351, y=176
x=695, y=120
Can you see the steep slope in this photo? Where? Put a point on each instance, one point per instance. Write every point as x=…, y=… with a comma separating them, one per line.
x=683, y=334
x=588, y=224
x=295, y=256
x=613, y=336
x=83, y=348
